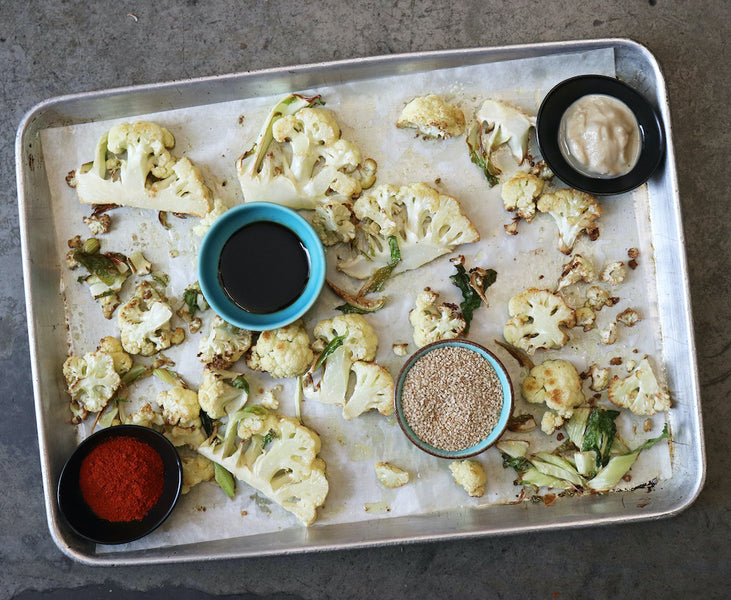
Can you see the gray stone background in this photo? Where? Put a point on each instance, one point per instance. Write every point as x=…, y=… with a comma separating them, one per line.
x=54, y=47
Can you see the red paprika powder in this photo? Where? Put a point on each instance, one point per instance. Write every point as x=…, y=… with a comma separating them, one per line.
x=122, y=479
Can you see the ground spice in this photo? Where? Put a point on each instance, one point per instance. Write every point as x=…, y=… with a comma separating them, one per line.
x=122, y=479
x=452, y=398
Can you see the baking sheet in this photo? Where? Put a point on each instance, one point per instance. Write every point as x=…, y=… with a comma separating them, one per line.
x=664, y=235
x=367, y=110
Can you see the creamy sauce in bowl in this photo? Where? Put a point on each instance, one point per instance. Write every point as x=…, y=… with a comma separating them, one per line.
x=599, y=136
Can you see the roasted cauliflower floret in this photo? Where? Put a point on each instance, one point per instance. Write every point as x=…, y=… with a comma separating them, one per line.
x=283, y=352
x=520, y=192
x=222, y=392
x=550, y=422
x=425, y=223
x=180, y=406
x=599, y=378
x=373, y=390
x=608, y=335
x=144, y=322
x=555, y=383
x=333, y=221
x=358, y=342
x=300, y=158
x=224, y=344
x=495, y=124
x=614, y=273
x=91, y=380
x=432, y=117
x=537, y=317
x=219, y=207
x=574, y=212
x=133, y=167
x=181, y=414
x=577, y=269
x=279, y=459
x=470, y=475
x=597, y=298
x=390, y=475
x=585, y=318
x=432, y=322
x=639, y=391
x=628, y=317
x=196, y=469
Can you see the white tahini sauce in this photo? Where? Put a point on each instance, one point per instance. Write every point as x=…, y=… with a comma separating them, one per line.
x=599, y=136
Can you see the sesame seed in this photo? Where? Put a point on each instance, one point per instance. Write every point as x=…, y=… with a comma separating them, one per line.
x=452, y=398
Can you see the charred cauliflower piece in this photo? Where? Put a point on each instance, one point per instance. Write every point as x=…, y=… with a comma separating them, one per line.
x=574, y=212
x=283, y=352
x=333, y=221
x=432, y=322
x=276, y=455
x=470, y=474
x=537, y=317
x=614, y=273
x=224, y=344
x=425, y=223
x=577, y=269
x=300, y=158
x=495, y=124
x=390, y=475
x=432, y=117
x=555, y=383
x=144, y=322
x=640, y=391
x=519, y=194
x=133, y=167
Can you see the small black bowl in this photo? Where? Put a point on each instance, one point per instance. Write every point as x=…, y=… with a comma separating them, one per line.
x=548, y=122
x=80, y=516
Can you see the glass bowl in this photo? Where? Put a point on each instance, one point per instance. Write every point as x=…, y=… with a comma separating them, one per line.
x=505, y=411
x=80, y=516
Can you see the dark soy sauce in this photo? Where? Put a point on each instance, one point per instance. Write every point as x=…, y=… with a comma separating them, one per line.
x=264, y=267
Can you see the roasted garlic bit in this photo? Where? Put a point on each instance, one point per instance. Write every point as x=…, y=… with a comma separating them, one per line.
x=390, y=475
x=470, y=475
x=614, y=273
x=432, y=117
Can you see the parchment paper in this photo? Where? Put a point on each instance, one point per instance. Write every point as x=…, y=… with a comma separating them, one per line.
x=213, y=136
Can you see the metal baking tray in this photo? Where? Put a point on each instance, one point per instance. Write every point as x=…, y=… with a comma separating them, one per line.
x=47, y=331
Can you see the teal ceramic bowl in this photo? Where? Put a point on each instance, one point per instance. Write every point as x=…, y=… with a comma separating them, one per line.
x=505, y=412
x=209, y=258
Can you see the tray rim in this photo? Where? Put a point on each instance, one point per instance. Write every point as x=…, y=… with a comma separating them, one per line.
x=30, y=126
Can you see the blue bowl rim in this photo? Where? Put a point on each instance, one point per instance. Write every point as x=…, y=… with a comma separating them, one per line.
x=79, y=515
x=210, y=251
x=505, y=412
x=565, y=93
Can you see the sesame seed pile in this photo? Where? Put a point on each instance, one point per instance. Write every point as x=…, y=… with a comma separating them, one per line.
x=452, y=398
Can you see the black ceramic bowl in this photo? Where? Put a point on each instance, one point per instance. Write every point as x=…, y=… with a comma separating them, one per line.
x=80, y=516
x=548, y=123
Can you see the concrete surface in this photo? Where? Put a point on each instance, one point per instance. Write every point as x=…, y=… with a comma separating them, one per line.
x=53, y=47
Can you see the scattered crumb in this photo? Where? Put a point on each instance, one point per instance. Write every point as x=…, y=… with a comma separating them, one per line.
x=633, y=252
x=401, y=349
x=647, y=426
x=617, y=360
